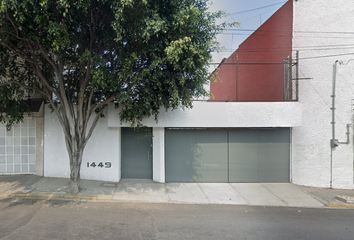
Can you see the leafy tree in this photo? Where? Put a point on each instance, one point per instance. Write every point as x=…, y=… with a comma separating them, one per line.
x=81, y=55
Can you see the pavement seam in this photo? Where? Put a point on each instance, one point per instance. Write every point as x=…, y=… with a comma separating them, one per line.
x=239, y=193
x=282, y=200
x=319, y=199
x=203, y=192
x=306, y=193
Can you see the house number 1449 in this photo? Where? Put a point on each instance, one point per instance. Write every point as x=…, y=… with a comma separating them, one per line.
x=101, y=165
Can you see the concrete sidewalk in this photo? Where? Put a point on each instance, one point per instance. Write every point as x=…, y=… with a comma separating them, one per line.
x=142, y=190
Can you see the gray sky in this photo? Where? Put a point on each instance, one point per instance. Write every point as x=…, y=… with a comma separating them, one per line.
x=249, y=13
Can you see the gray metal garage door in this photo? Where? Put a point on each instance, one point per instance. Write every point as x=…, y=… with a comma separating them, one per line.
x=227, y=155
x=259, y=155
x=196, y=155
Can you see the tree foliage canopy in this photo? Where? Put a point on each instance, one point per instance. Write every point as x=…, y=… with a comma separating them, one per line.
x=81, y=55
x=143, y=54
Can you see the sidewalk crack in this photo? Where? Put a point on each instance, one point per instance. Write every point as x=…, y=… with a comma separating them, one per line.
x=239, y=194
x=204, y=193
x=275, y=195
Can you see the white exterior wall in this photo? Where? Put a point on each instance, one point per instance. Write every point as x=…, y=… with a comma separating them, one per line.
x=222, y=114
x=158, y=151
x=319, y=25
x=105, y=142
x=39, y=144
x=103, y=146
x=212, y=114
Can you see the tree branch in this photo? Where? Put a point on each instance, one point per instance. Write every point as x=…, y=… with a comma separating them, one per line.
x=36, y=66
x=45, y=54
x=17, y=52
x=110, y=99
x=93, y=125
x=23, y=86
x=68, y=108
x=88, y=105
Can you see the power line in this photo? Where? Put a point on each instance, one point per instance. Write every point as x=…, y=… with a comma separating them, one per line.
x=246, y=29
x=263, y=30
x=302, y=48
x=271, y=63
x=282, y=50
x=238, y=29
x=253, y=9
x=284, y=35
x=323, y=37
x=257, y=15
x=324, y=32
x=248, y=63
x=335, y=55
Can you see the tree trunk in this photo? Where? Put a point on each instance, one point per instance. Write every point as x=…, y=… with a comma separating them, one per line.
x=75, y=165
x=74, y=180
x=76, y=140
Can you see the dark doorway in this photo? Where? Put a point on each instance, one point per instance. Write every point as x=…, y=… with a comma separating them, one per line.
x=136, y=154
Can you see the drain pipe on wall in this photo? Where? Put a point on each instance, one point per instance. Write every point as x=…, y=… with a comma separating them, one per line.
x=335, y=142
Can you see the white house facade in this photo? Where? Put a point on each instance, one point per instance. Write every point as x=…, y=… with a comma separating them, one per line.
x=105, y=145
x=304, y=141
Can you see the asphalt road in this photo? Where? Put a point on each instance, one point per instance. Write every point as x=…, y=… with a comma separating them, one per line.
x=27, y=219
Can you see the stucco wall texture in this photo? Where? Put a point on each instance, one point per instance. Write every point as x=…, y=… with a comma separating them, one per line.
x=322, y=32
x=103, y=146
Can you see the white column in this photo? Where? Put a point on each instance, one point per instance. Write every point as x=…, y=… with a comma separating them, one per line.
x=158, y=143
x=39, y=146
x=119, y=149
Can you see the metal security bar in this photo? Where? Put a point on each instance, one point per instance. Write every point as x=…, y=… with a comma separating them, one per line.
x=240, y=81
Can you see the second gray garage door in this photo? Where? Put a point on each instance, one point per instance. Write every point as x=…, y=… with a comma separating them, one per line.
x=228, y=155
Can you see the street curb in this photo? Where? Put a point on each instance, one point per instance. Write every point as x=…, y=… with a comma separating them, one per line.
x=102, y=198
x=58, y=196
x=29, y=195
x=331, y=205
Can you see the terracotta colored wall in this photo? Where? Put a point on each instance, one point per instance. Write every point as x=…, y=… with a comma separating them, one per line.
x=258, y=78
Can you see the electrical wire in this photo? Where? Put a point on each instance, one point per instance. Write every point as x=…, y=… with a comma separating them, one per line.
x=285, y=35
x=314, y=57
x=324, y=56
x=264, y=30
x=286, y=49
x=300, y=48
x=257, y=15
x=254, y=9
x=305, y=58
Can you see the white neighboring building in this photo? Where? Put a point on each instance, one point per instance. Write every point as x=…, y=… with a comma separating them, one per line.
x=323, y=33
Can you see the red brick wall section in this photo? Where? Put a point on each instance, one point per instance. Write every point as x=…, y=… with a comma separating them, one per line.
x=258, y=78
